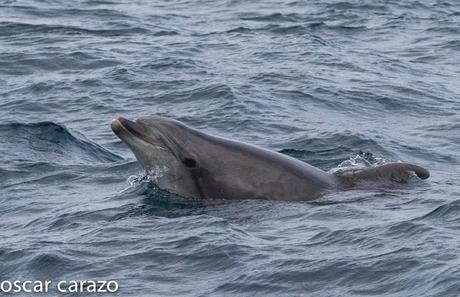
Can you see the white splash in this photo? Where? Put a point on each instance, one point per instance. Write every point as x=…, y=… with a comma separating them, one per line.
x=154, y=174
x=360, y=161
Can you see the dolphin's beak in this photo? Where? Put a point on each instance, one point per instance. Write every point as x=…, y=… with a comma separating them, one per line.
x=116, y=125
x=130, y=131
x=121, y=125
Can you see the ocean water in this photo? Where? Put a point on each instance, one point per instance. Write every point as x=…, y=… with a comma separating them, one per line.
x=333, y=83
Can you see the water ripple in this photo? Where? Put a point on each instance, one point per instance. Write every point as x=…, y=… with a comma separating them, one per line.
x=338, y=84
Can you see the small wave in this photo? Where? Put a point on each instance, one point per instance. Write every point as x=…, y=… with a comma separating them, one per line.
x=274, y=17
x=341, y=5
x=448, y=212
x=102, y=13
x=50, y=142
x=215, y=93
x=46, y=179
x=389, y=98
x=10, y=29
x=341, y=27
x=165, y=33
x=446, y=30
x=239, y=30
x=296, y=29
x=451, y=44
x=304, y=29
x=174, y=64
x=100, y=2
x=330, y=150
x=407, y=229
x=22, y=63
x=51, y=265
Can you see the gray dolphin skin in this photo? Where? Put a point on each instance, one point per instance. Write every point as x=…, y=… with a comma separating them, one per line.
x=196, y=165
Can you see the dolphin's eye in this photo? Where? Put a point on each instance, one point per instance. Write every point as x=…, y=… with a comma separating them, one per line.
x=189, y=162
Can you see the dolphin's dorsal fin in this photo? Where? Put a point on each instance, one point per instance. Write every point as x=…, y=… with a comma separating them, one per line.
x=399, y=172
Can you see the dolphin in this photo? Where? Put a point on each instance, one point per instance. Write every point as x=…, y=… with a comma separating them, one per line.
x=196, y=165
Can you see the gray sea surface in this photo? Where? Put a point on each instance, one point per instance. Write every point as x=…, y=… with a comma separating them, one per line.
x=332, y=83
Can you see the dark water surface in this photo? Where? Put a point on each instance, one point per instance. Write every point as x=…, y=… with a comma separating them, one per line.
x=319, y=80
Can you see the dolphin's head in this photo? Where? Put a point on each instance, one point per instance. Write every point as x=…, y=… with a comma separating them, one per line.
x=161, y=147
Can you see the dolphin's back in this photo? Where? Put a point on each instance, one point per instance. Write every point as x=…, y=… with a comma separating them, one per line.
x=263, y=173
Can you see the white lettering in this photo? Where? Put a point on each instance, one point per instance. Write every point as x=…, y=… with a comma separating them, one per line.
x=24, y=287
x=101, y=288
x=59, y=286
x=82, y=286
x=47, y=284
x=91, y=287
x=115, y=286
x=17, y=286
x=73, y=287
x=70, y=286
x=8, y=284
x=38, y=287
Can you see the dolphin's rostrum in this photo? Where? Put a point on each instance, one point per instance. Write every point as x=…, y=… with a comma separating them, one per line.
x=201, y=166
